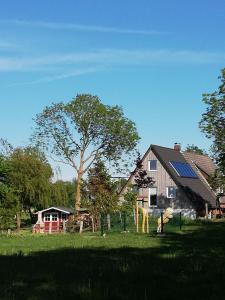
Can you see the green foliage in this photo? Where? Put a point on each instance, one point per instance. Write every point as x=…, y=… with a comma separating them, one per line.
x=30, y=176
x=8, y=207
x=84, y=130
x=101, y=191
x=213, y=121
x=8, y=200
x=195, y=149
x=130, y=198
x=62, y=193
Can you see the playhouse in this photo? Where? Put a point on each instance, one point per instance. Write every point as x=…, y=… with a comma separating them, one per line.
x=52, y=219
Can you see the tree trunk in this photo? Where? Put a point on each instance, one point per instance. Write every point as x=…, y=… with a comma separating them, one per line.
x=18, y=222
x=79, y=177
x=78, y=196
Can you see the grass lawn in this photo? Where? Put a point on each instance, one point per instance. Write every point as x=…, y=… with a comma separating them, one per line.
x=188, y=264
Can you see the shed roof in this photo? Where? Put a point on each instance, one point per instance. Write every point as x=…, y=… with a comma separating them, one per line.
x=63, y=209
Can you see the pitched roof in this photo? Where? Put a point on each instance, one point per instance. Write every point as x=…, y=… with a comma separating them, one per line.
x=195, y=188
x=66, y=210
x=203, y=162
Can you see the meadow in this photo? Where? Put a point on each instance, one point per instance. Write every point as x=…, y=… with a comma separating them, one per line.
x=186, y=264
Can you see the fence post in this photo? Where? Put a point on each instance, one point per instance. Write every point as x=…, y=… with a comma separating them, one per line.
x=206, y=211
x=147, y=222
x=137, y=216
x=161, y=222
x=124, y=221
x=180, y=221
x=102, y=224
x=108, y=222
x=81, y=226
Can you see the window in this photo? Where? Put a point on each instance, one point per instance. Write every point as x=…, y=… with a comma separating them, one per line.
x=152, y=165
x=153, y=196
x=47, y=217
x=220, y=190
x=171, y=192
x=54, y=216
x=63, y=216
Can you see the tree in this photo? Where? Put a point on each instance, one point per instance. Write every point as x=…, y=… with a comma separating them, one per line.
x=213, y=121
x=84, y=130
x=62, y=193
x=8, y=200
x=141, y=178
x=101, y=191
x=195, y=149
x=30, y=176
x=130, y=198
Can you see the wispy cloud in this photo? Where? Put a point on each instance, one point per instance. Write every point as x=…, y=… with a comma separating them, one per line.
x=75, y=73
x=79, y=27
x=110, y=57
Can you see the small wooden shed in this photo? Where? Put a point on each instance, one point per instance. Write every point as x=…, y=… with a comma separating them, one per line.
x=52, y=219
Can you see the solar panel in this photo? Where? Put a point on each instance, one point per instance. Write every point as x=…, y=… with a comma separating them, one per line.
x=183, y=169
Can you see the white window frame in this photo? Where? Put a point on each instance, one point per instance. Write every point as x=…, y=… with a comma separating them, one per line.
x=149, y=197
x=149, y=165
x=57, y=217
x=50, y=217
x=167, y=192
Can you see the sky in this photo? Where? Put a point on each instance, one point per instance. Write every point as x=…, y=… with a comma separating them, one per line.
x=153, y=58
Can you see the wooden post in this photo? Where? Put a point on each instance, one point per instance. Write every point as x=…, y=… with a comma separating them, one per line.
x=81, y=226
x=124, y=221
x=143, y=220
x=134, y=213
x=18, y=221
x=108, y=222
x=50, y=227
x=102, y=224
x=64, y=226
x=137, y=216
x=161, y=222
x=206, y=210
x=180, y=220
x=93, y=225
x=147, y=222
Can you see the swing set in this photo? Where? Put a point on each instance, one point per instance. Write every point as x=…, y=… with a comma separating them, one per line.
x=144, y=211
x=164, y=218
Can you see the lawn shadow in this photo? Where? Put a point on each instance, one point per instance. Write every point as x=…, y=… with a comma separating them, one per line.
x=185, y=266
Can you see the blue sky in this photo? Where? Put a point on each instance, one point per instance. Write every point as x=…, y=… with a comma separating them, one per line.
x=154, y=58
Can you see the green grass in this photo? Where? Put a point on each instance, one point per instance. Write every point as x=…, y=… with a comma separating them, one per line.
x=188, y=264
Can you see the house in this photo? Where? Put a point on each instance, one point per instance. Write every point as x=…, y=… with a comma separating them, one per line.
x=180, y=181
x=52, y=219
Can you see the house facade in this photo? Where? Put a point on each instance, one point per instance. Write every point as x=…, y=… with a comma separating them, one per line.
x=179, y=182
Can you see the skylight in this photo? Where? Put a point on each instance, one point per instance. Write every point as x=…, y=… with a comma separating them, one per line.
x=183, y=169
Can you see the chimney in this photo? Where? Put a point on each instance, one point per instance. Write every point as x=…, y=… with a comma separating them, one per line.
x=177, y=147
